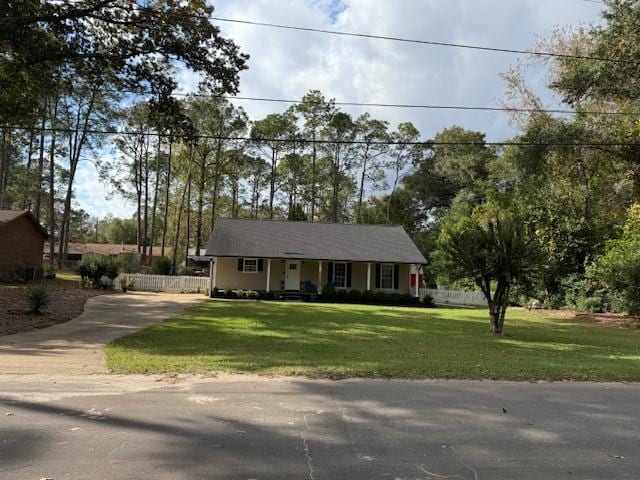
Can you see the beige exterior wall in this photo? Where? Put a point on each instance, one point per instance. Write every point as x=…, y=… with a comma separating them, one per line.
x=228, y=276
x=21, y=245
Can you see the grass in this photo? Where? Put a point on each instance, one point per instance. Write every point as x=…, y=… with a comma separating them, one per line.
x=321, y=340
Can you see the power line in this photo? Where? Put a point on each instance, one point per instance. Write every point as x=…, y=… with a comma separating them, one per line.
x=329, y=142
x=400, y=105
x=423, y=42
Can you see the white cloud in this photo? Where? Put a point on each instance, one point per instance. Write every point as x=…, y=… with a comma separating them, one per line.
x=286, y=64
x=94, y=195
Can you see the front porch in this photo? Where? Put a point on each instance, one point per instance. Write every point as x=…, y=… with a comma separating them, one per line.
x=310, y=276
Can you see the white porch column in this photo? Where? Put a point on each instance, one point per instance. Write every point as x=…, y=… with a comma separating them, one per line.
x=268, y=274
x=213, y=273
x=368, y=276
x=417, y=280
x=319, y=276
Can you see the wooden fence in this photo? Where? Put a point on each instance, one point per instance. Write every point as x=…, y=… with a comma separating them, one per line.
x=455, y=297
x=163, y=283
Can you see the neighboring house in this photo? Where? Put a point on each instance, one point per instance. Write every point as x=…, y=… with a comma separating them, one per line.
x=77, y=251
x=21, y=242
x=268, y=255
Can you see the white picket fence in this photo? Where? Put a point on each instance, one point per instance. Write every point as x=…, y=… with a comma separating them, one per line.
x=455, y=297
x=164, y=283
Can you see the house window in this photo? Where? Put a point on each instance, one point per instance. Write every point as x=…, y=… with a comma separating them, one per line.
x=293, y=266
x=250, y=265
x=386, y=276
x=340, y=275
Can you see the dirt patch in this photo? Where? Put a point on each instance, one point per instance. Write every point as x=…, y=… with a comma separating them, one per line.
x=66, y=301
x=608, y=319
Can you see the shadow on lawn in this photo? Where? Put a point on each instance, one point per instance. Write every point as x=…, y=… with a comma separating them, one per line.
x=387, y=341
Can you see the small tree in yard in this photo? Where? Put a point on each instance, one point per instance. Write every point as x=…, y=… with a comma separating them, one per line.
x=37, y=298
x=491, y=246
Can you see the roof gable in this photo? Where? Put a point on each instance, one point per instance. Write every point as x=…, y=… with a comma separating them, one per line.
x=312, y=241
x=9, y=216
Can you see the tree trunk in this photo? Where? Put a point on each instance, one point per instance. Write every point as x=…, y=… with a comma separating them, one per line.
x=179, y=216
x=272, y=187
x=314, y=155
x=3, y=165
x=52, y=183
x=166, y=197
x=27, y=203
x=362, y=181
x=188, y=226
x=145, y=218
x=336, y=187
x=201, y=186
x=155, y=204
x=75, y=148
x=38, y=207
x=137, y=166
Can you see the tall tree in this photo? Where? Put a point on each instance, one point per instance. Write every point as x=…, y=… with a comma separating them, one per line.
x=316, y=111
x=270, y=137
x=373, y=134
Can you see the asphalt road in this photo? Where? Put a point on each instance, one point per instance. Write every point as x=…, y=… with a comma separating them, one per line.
x=118, y=427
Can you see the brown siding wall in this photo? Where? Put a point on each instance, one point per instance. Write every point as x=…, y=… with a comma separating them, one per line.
x=21, y=245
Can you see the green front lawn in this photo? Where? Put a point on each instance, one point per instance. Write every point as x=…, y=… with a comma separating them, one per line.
x=353, y=340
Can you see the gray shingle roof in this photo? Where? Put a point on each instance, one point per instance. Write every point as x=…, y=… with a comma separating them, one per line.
x=233, y=237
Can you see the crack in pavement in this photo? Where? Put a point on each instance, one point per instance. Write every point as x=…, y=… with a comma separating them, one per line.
x=469, y=467
x=437, y=475
x=305, y=446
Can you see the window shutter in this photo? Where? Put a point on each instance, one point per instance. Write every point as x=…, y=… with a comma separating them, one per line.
x=396, y=276
x=260, y=264
x=348, y=275
x=377, y=275
x=240, y=264
x=330, y=273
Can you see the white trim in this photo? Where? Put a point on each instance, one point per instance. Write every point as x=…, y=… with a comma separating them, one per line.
x=346, y=269
x=319, y=276
x=214, y=272
x=368, y=276
x=268, y=274
x=244, y=265
x=393, y=276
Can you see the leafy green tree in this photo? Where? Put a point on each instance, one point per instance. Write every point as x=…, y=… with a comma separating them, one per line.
x=370, y=156
x=339, y=131
x=269, y=135
x=490, y=245
x=619, y=267
x=315, y=111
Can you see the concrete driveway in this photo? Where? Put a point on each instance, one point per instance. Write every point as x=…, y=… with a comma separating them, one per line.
x=144, y=427
x=77, y=346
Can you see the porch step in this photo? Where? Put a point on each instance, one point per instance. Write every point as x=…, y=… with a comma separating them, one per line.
x=292, y=295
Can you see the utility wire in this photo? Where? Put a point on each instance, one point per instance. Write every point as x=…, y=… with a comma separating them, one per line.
x=328, y=142
x=424, y=42
x=399, y=105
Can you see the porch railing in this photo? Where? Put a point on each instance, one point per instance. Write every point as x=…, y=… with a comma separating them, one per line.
x=163, y=283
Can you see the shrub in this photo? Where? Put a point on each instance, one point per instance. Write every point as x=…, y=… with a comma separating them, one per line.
x=162, y=266
x=187, y=271
x=50, y=271
x=330, y=295
x=37, y=298
x=427, y=301
x=92, y=269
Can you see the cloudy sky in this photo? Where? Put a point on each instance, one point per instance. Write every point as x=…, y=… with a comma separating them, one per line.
x=286, y=64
